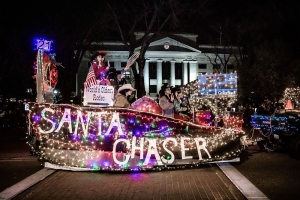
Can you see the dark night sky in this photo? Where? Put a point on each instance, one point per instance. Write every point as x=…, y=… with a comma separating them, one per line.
x=23, y=21
x=26, y=20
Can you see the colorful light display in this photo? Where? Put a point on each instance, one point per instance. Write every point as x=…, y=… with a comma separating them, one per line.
x=218, y=103
x=291, y=98
x=147, y=104
x=288, y=123
x=218, y=85
x=124, y=139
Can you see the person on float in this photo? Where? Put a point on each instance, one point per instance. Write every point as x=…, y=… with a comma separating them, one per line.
x=113, y=78
x=121, y=98
x=180, y=109
x=99, y=67
x=116, y=78
x=166, y=101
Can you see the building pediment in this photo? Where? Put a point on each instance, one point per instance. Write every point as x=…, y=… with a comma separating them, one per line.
x=170, y=44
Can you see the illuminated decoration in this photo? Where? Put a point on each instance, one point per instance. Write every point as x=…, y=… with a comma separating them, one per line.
x=42, y=44
x=50, y=72
x=217, y=85
x=267, y=124
x=106, y=138
x=46, y=76
x=146, y=104
x=292, y=95
x=289, y=105
x=215, y=101
x=234, y=122
x=46, y=72
x=203, y=117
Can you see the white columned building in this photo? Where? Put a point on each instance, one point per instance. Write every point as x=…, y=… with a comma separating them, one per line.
x=172, y=75
x=185, y=72
x=158, y=75
x=193, y=70
x=146, y=75
x=170, y=58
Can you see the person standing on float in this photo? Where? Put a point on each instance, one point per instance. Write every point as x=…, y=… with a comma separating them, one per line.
x=99, y=67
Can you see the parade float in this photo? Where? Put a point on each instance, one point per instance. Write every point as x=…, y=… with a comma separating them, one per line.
x=97, y=136
x=280, y=130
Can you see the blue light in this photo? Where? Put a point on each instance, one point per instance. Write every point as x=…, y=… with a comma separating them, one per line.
x=43, y=44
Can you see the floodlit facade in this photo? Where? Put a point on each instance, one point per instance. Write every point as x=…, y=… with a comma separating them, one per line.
x=176, y=59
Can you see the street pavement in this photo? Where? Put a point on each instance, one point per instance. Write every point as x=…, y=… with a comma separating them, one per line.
x=259, y=175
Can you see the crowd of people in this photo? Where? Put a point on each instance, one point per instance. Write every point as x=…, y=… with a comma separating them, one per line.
x=171, y=102
x=12, y=115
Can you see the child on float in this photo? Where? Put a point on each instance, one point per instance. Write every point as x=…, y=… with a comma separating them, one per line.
x=100, y=70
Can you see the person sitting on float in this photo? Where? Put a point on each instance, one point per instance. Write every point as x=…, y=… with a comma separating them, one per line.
x=99, y=67
x=121, y=98
x=166, y=101
x=180, y=109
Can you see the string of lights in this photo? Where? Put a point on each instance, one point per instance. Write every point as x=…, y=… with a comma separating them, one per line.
x=123, y=139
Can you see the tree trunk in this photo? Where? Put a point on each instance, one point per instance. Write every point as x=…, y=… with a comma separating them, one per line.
x=140, y=82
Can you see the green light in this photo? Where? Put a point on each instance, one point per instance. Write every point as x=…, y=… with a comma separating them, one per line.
x=85, y=138
x=101, y=137
x=95, y=166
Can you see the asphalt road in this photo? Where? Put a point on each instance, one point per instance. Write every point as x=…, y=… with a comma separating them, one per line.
x=15, y=161
x=275, y=174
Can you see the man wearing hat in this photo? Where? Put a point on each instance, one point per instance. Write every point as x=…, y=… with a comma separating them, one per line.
x=121, y=97
x=99, y=67
x=166, y=101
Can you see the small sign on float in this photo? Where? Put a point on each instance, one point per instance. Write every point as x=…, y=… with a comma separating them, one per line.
x=99, y=95
x=26, y=107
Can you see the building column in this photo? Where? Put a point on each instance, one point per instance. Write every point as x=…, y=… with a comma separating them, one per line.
x=185, y=72
x=159, y=74
x=172, y=75
x=193, y=70
x=146, y=76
